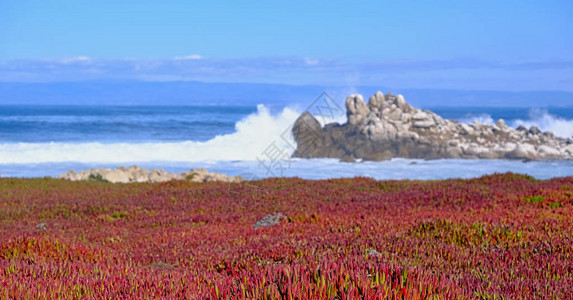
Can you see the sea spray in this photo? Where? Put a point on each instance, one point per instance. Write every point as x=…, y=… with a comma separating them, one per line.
x=252, y=135
x=547, y=122
x=541, y=118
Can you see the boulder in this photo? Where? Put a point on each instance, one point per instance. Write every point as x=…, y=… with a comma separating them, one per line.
x=420, y=116
x=548, y=151
x=308, y=134
x=534, y=130
x=270, y=220
x=395, y=115
x=424, y=123
x=522, y=151
x=117, y=175
x=41, y=227
x=401, y=103
x=376, y=101
x=356, y=109
x=466, y=129
x=137, y=174
x=501, y=124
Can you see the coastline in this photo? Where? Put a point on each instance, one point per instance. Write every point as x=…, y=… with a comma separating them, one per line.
x=413, y=169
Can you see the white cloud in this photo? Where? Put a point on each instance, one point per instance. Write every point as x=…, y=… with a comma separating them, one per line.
x=76, y=59
x=188, y=57
x=310, y=61
x=471, y=74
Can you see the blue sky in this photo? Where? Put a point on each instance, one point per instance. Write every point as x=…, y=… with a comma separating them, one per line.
x=505, y=45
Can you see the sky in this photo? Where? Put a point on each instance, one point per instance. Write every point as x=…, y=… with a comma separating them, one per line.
x=480, y=45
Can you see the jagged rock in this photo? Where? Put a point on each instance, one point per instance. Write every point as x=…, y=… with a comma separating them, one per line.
x=137, y=174
x=389, y=127
x=356, y=109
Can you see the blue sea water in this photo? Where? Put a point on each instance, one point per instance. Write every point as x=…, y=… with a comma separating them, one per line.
x=37, y=141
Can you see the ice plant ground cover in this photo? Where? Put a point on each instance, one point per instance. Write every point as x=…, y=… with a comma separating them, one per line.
x=503, y=235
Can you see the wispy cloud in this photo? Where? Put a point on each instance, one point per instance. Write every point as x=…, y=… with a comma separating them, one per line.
x=75, y=59
x=187, y=57
x=464, y=64
x=310, y=61
x=471, y=73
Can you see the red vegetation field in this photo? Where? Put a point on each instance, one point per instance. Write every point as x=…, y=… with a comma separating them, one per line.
x=496, y=236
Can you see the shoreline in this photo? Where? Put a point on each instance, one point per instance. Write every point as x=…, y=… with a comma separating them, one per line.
x=413, y=169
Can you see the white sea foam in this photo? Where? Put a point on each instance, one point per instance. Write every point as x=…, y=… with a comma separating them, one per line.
x=547, y=122
x=253, y=135
x=541, y=118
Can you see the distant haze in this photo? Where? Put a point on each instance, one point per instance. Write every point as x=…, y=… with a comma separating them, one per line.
x=200, y=93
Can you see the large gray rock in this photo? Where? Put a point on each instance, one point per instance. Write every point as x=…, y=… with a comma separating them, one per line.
x=389, y=127
x=522, y=151
x=376, y=101
x=270, y=220
x=119, y=176
x=401, y=103
x=356, y=109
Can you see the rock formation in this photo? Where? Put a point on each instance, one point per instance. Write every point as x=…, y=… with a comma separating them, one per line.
x=388, y=127
x=137, y=174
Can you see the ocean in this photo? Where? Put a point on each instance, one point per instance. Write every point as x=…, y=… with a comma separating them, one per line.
x=39, y=141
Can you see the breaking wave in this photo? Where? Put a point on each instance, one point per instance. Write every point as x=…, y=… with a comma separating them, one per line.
x=541, y=118
x=253, y=135
x=547, y=122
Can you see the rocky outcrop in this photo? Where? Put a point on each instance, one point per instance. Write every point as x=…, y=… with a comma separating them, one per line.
x=137, y=174
x=388, y=127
